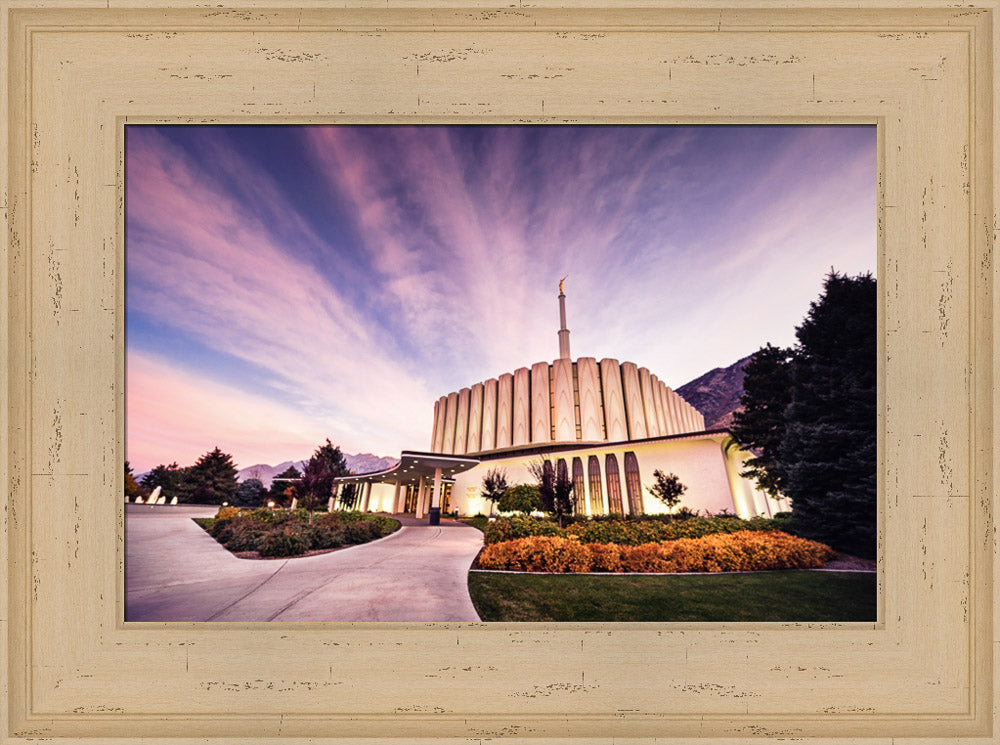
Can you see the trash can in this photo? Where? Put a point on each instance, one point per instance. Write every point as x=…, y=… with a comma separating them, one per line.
x=435, y=516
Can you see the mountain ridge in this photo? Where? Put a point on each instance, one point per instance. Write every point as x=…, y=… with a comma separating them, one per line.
x=716, y=394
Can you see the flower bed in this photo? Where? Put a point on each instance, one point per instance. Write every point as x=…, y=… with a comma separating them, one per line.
x=744, y=550
x=271, y=533
x=628, y=532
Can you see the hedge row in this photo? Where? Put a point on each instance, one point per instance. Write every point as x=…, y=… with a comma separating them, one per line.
x=290, y=533
x=745, y=550
x=631, y=532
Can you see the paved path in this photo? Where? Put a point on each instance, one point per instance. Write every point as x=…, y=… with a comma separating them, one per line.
x=175, y=571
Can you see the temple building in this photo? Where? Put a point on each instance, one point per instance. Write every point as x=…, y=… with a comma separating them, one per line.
x=609, y=424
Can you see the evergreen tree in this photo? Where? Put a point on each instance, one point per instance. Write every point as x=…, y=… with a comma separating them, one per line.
x=171, y=480
x=828, y=448
x=316, y=486
x=132, y=489
x=809, y=417
x=211, y=480
x=760, y=426
x=279, y=485
x=250, y=494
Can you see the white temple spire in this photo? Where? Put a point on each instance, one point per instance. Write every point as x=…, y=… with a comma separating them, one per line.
x=563, y=331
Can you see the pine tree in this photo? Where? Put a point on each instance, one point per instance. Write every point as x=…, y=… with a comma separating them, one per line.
x=809, y=417
x=760, y=426
x=829, y=445
x=279, y=484
x=250, y=493
x=211, y=480
x=171, y=480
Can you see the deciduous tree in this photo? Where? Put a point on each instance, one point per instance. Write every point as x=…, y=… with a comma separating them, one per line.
x=667, y=488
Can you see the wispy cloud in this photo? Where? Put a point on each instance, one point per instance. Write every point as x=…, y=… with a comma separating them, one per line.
x=391, y=265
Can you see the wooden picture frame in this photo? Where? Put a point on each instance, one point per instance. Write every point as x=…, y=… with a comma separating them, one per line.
x=76, y=72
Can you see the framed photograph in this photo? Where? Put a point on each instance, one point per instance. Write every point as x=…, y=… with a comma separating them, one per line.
x=76, y=77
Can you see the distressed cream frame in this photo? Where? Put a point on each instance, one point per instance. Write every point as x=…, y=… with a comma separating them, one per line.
x=76, y=70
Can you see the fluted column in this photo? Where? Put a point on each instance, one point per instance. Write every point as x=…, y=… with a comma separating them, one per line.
x=591, y=406
x=634, y=415
x=462, y=422
x=522, y=406
x=505, y=410
x=562, y=390
x=449, y=423
x=648, y=404
x=541, y=406
x=614, y=403
x=475, y=419
x=489, y=436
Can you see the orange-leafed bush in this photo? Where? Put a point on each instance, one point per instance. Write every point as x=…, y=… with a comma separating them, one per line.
x=537, y=554
x=227, y=513
x=724, y=552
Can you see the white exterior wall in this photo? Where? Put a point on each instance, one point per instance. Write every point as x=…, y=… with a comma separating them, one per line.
x=701, y=464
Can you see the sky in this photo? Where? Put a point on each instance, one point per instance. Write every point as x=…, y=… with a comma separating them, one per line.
x=288, y=284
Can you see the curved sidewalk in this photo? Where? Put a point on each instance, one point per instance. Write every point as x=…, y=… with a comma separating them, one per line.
x=175, y=571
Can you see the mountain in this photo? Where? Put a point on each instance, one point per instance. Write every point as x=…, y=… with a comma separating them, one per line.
x=360, y=463
x=716, y=394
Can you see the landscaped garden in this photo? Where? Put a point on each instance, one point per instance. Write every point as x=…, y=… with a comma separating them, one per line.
x=266, y=533
x=653, y=544
x=656, y=552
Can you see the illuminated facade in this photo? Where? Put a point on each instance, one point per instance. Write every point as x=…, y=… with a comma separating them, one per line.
x=609, y=424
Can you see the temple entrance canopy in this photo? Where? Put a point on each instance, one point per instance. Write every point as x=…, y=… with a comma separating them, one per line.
x=427, y=473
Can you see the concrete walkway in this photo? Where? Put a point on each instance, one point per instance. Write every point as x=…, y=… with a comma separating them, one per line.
x=175, y=571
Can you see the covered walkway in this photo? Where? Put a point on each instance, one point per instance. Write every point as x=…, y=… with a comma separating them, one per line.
x=425, y=474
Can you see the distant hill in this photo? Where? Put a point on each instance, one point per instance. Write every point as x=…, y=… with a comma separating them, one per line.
x=716, y=394
x=361, y=463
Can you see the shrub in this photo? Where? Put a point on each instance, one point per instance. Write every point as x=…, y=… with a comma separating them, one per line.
x=286, y=540
x=537, y=554
x=243, y=535
x=522, y=498
x=739, y=551
x=519, y=526
x=226, y=513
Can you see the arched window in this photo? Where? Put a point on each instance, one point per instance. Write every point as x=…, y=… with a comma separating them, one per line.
x=578, y=486
x=614, y=485
x=596, y=496
x=633, y=485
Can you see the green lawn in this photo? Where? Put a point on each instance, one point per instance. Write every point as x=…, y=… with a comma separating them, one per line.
x=479, y=521
x=762, y=596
